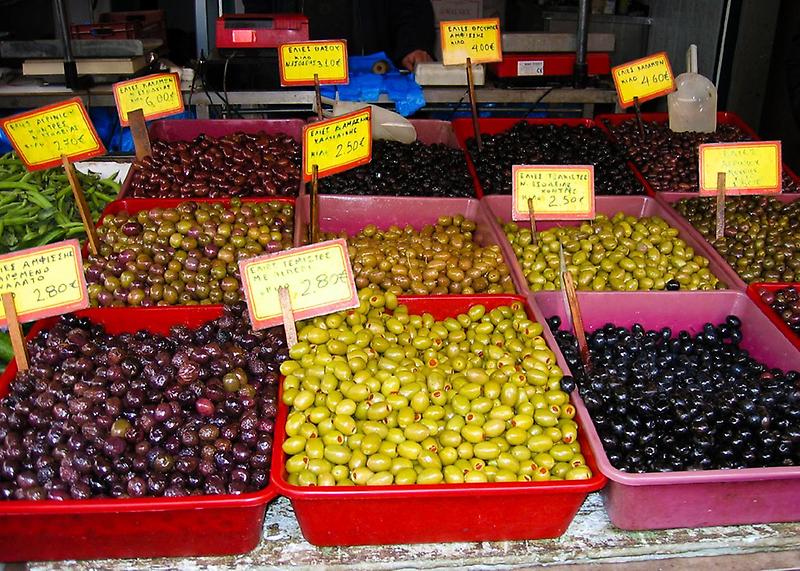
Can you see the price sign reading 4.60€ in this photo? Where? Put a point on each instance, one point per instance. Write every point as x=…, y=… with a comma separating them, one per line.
x=42, y=135
x=319, y=278
x=337, y=144
x=645, y=79
x=156, y=95
x=45, y=281
x=559, y=192
x=478, y=40
x=300, y=61
x=750, y=167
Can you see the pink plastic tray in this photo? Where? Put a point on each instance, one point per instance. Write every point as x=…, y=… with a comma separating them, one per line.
x=171, y=130
x=690, y=498
x=499, y=206
x=378, y=515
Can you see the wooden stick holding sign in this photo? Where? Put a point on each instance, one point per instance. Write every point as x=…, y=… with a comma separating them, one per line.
x=534, y=237
x=317, y=97
x=638, y=110
x=473, y=105
x=720, y=205
x=83, y=208
x=15, y=332
x=577, y=318
x=141, y=138
x=289, y=327
x=315, y=63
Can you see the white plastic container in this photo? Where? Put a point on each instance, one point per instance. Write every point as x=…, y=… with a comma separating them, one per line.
x=693, y=105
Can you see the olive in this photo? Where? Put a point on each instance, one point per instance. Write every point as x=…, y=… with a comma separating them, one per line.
x=786, y=304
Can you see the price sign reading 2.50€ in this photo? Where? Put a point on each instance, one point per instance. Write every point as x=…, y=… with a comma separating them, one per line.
x=156, y=95
x=45, y=281
x=478, y=40
x=559, y=192
x=337, y=144
x=319, y=278
x=42, y=135
x=643, y=79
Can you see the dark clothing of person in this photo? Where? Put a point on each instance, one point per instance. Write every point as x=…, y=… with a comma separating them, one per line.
x=397, y=27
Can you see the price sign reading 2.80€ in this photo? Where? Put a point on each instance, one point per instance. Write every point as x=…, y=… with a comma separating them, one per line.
x=157, y=95
x=559, y=192
x=337, y=144
x=478, y=40
x=319, y=278
x=45, y=281
x=643, y=79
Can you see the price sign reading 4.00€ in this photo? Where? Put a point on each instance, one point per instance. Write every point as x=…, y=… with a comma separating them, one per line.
x=559, y=192
x=478, y=40
x=42, y=135
x=156, y=95
x=749, y=167
x=319, y=278
x=337, y=144
x=45, y=281
x=300, y=61
x=643, y=79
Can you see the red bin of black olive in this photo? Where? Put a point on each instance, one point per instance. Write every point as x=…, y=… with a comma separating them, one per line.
x=781, y=303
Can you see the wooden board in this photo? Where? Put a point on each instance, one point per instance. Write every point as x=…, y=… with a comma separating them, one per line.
x=99, y=66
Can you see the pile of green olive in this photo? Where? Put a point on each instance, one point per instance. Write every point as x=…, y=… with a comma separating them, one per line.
x=762, y=235
x=379, y=396
x=621, y=253
x=439, y=259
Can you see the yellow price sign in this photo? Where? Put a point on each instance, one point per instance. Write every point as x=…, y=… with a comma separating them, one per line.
x=300, y=61
x=750, y=167
x=559, y=192
x=45, y=281
x=157, y=95
x=42, y=135
x=337, y=144
x=319, y=278
x=643, y=79
x=478, y=40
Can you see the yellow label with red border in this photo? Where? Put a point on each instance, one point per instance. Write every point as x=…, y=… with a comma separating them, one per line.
x=752, y=167
x=478, y=40
x=300, y=61
x=42, y=135
x=559, y=192
x=319, y=278
x=45, y=281
x=337, y=144
x=645, y=79
x=157, y=95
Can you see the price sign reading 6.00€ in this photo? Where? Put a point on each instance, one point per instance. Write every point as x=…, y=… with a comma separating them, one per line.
x=319, y=278
x=643, y=79
x=300, y=61
x=559, y=192
x=478, y=40
x=42, y=135
x=45, y=281
x=156, y=95
x=337, y=144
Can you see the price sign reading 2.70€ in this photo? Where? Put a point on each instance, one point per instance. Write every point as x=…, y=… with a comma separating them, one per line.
x=337, y=144
x=300, y=61
x=643, y=79
x=156, y=95
x=559, y=192
x=45, y=281
x=42, y=135
x=319, y=278
x=478, y=40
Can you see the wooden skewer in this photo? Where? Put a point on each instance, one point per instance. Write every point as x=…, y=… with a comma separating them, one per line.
x=317, y=96
x=577, y=319
x=720, y=205
x=83, y=208
x=15, y=332
x=141, y=138
x=289, y=326
x=474, y=105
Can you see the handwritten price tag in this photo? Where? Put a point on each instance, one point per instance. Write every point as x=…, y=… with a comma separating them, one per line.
x=156, y=95
x=337, y=144
x=478, y=40
x=319, y=278
x=645, y=78
x=42, y=135
x=299, y=61
x=46, y=281
x=750, y=168
x=558, y=192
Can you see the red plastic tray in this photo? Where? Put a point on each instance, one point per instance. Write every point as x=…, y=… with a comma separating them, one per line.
x=147, y=527
x=381, y=515
x=753, y=291
x=723, y=118
x=464, y=130
x=691, y=498
x=499, y=206
x=554, y=65
x=171, y=130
